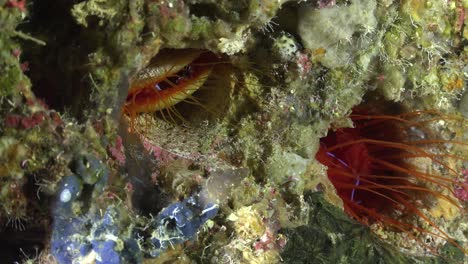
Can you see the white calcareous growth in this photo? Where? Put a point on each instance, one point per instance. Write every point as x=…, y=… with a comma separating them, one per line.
x=65, y=196
x=285, y=47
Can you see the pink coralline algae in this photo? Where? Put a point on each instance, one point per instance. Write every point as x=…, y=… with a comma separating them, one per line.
x=270, y=240
x=158, y=152
x=16, y=53
x=24, y=66
x=304, y=64
x=26, y=122
x=326, y=3
x=12, y=120
x=117, y=151
x=34, y=120
x=37, y=113
x=20, y=4
x=461, y=191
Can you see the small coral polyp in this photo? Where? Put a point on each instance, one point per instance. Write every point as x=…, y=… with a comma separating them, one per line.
x=172, y=77
x=392, y=170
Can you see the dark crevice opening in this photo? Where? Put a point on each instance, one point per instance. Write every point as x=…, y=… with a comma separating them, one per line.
x=58, y=70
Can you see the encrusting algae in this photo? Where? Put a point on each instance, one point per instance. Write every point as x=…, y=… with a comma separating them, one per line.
x=259, y=131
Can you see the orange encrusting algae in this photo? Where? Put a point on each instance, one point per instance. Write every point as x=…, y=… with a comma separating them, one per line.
x=172, y=78
x=373, y=167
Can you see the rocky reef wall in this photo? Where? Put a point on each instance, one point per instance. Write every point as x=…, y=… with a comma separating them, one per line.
x=186, y=131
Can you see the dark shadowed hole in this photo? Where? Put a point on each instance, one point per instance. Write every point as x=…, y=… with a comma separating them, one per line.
x=16, y=245
x=58, y=70
x=27, y=243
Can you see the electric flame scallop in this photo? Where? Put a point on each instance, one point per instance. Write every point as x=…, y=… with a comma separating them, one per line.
x=377, y=170
x=172, y=77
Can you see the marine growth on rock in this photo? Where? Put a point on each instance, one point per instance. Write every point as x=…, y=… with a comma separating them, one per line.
x=257, y=131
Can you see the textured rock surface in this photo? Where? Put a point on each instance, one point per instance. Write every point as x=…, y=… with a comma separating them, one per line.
x=229, y=176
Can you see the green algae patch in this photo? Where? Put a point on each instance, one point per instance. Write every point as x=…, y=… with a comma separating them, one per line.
x=103, y=10
x=331, y=237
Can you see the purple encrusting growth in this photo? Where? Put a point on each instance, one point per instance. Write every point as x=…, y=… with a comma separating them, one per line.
x=65, y=226
x=178, y=223
x=79, y=233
